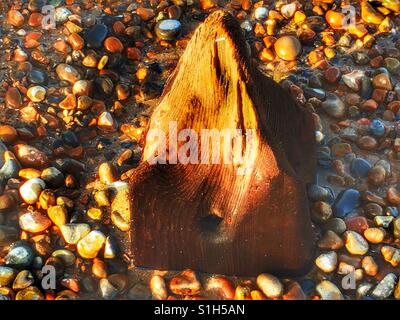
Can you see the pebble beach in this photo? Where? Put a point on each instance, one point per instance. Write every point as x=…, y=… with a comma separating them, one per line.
x=75, y=100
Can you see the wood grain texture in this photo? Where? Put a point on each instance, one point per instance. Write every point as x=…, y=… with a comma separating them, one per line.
x=207, y=217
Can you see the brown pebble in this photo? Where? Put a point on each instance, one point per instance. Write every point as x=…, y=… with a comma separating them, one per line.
x=113, y=44
x=61, y=46
x=30, y=156
x=35, y=19
x=332, y=74
x=8, y=133
x=20, y=55
x=185, y=283
x=107, y=173
x=69, y=102
x=76, y=41
x=7, y=203
x=393, y=196
x=340, y=149
x=13, y=98
x=335, y=19
x=288, y=48
x=369, y=105
x=99, y=268
x=15, y=18
x=382, y=81
x=369, y=14
x=367, y=143
x=377, y=175
x=358, y=224
x=145, y=13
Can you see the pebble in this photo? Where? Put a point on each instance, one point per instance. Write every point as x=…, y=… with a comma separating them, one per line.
x=270, y=285
x=96, y=35
x=30, y=293
x=288, y=10
x=393, y=196
x=332, y=74
x=370, y=266
x=7, y=275
x=67, y=73
x=396, y=228
x=377, y=128
x=382, y=81
x=107, y=290
x=110, y=250
x=383, y=221
x=385, y=287
x=369, y=14
x=374, y=235
x=107, y=173
x=391, y=255
x=185, y=284
x=15, y=18
x=139, y=292
x=90, y=245
x=31, y=189
x=76, y=41
x=330, y=241
x=37, y=77
x=104, y=87
x=341, y=149
x=73, y=232
x=23, y=280
x=13, y=98
x=222, y=286
x=261, y=13
x=327, y=262
x=321, y=212
x=287, y=48
x=367, y=143
x=34, y=222
x=82, y=88
x=20, y=256
x=334, y=106
x=352, y=79
x=36, y=93
x=58, y=214
x=158, y=288
x=346, y=202
x=106, y=122
x=8, y=134
x=7, y=235
x=328, y=291
x=168, y=29
x=52, y=177
x=30, y=156
x=62, y=14
x=355, y=243
x=359, y=168
x=335, y=19
x=113, y=45
x=145, y=13
x=99, y=268
x=66, y=256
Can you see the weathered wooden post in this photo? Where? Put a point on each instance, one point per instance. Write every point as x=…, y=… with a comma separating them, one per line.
x=215, y=217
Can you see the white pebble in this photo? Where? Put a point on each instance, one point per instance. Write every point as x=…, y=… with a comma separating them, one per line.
x=270, y=285
x=261, y=13
x=31, y=189
x=327, y=262
x=328, y=291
